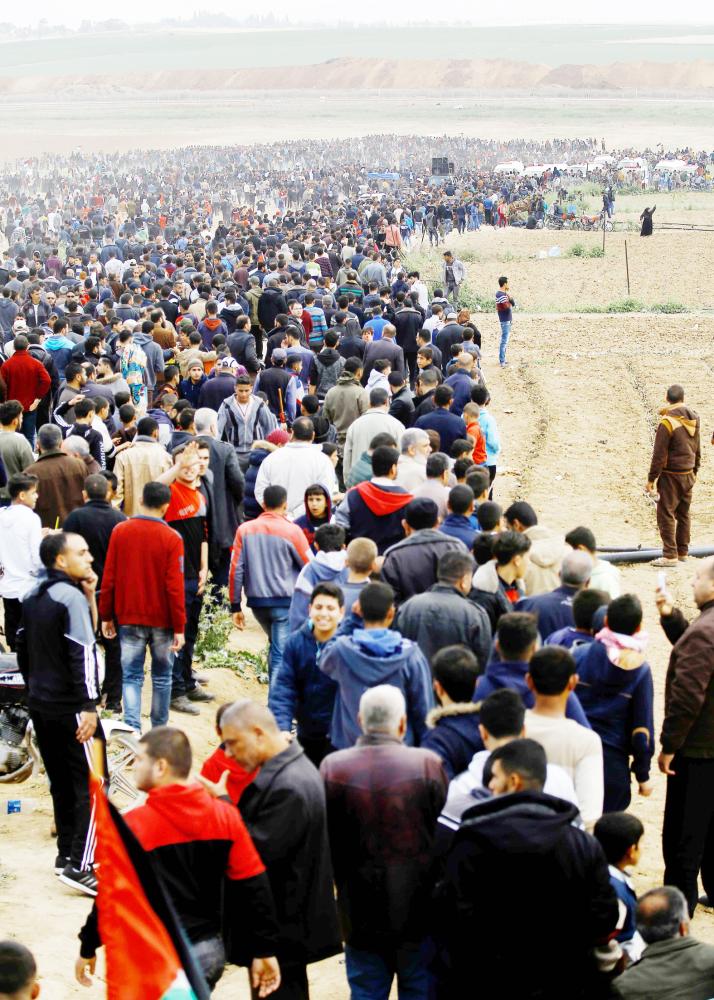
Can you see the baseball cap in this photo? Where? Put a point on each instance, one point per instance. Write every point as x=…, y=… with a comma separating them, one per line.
x=226, y=363
x=279, y=354
x=451, y=314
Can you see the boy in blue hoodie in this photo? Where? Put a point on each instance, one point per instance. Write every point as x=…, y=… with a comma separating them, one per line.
x=620, y=836
x=516, y=642
x=363, y=657
x=300, y=691
x=615, y=689
x=328, y=566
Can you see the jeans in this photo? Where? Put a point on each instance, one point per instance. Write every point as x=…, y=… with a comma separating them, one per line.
x=29, y=424
x=134, y=640
x=688, y=828
x=210, y=955
x=274, y=622
x=370, y=973
x=181, y=681
x=505, y=334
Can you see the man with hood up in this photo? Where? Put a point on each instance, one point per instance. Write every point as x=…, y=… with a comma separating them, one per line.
x=676, y=456
x=522, y=837
x=327, y=367
x=368, y=652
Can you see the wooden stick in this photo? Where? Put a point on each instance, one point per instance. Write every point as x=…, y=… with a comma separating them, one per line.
x=627, y=268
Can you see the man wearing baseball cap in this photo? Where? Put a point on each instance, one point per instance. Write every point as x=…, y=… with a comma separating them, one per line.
x=221, y=384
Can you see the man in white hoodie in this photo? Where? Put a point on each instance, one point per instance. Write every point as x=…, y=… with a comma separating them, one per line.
x=547, y=549
x=20, y=536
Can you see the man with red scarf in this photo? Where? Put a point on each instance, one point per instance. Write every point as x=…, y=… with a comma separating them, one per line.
x=374, y=509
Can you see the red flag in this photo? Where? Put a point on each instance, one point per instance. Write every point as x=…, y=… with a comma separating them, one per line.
x=147, y=954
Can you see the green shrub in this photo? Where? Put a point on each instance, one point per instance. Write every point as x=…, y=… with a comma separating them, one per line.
x=669, y=307
x=596, y=252
x=577, y=250
x=625, y=306
x=212, y=649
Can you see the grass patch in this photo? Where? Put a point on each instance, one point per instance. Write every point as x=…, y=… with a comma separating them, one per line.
x=215, y=629
x=669, y=307
x=580, y=250
x=626, y=306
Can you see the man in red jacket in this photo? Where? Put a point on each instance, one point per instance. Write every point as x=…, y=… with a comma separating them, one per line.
x=143, y=592
x=27, y=381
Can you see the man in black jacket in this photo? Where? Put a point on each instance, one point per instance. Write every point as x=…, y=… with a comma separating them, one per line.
x=284, y=811
x=408, y=322
x=207, y=863
x=241, y=344
x=410, y=566
x=450, y=333
x=56, y=653
x=384, y=348
x=95, y=522
x=521, y=845
x=271, y=303
x=402, y=404
x=228, y=490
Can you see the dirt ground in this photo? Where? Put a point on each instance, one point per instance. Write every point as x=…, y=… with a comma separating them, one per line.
x=576, y=408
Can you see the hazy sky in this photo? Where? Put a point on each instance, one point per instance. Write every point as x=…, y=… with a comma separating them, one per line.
x=514, y=12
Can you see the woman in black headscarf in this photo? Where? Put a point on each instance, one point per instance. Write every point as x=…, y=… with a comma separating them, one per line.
x=646, y=220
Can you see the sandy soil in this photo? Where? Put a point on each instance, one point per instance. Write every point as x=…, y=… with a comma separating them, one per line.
x=576, y=407
x=671, y=266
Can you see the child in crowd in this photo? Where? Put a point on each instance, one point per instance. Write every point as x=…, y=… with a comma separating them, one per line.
x=215, y=766
x=475, y=431
x=328, y=566
x=452, y=728
x=318, y=511
x=294, y=367
x=586, y=620
x=620, y=835
x=379, y=376
x=127, y=424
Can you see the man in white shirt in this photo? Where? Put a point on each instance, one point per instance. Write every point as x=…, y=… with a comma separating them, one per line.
x=551, y=677
x=295, y=467
x=501, y=720
x=20, y=536
x=375, y=421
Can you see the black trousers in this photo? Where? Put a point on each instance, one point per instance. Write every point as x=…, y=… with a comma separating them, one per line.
x=688, y=829
x=317, y=748
x=293, y=983
x=68, y=764
x=410, y=363
x=12, y=609
x=111, y=687
x=491, y=475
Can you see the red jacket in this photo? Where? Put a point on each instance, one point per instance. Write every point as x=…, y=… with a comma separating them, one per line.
x=26, y=379
x=143, y=576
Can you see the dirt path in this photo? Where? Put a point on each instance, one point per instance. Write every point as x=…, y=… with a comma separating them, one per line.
x=582, y=394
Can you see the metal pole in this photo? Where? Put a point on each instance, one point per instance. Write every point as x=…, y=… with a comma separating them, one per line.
x=627, y=268
x=604, y=220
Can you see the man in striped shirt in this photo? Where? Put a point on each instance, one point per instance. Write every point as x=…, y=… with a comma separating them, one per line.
x=504, y=309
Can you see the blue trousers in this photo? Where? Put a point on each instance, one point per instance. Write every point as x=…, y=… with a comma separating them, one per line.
x=274, y=622
x=370, y=973
x=505, y=334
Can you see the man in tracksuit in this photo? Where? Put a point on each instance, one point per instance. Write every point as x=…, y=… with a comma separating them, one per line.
x=56, y=653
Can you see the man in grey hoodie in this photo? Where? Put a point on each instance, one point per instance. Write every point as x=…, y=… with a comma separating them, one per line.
x=8, y=311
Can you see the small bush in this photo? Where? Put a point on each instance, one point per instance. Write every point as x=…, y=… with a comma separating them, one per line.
x=596, y=252
x=212, y=649
x=669, y=307
x=577, y=250
x=625, y=306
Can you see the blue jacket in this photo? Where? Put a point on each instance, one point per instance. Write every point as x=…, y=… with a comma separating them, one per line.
x=459, y=527
x=453, y=734
x=569, y=638
x=553, y=610
x=449, y=427
x=191, y=390
x=618, y=702
x=326, y=567
x=490, y=432
x=251, y=507
x=300, y=690
x=462, y=386
x=627, y=895
x=363, y=660
x=512, y=674
x=61, y=349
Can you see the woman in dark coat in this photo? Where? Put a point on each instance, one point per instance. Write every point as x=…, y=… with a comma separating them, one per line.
x=646, y=220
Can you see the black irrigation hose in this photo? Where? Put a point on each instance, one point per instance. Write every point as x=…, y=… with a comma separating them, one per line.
x=647, y=555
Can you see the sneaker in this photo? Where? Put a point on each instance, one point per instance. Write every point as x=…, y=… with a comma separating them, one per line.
x=198, y=694
x=202, y=679
x=662, y=561
x=182, y=704
x=85, y=881
x=705, y=901
x=60, y=864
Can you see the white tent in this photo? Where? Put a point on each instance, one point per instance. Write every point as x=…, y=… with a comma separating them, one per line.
x=512, y=167
x=675, y=166
x=604, y=158
x=632, y=164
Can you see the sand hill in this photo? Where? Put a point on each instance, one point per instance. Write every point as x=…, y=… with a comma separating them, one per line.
x=391, y=74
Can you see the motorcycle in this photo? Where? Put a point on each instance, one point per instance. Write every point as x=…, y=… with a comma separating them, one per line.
x=20, y=754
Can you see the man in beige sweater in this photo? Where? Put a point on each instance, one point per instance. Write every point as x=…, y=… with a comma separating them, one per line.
x=140, y=464
x=577, y=750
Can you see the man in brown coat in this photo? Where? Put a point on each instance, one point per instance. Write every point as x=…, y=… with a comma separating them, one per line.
x=61, y=478
x=675, y=462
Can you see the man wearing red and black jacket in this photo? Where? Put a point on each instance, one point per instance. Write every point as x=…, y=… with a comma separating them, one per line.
x=207, y=863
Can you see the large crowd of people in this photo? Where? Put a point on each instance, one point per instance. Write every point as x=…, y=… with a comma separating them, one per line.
x=221, y=384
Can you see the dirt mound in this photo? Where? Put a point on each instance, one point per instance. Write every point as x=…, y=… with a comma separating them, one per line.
x=388, y=74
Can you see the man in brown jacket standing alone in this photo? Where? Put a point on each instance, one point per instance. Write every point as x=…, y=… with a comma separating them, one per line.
x=687, y=756
x=675, y=462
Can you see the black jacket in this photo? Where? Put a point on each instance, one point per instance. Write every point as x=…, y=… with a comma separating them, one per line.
x=402, y=406
x=449, y=334
x=270, y=304
x=523, y=846
x=242, y=348
x=56, y=651
x=215, y=389
x=384, y=348
x=284, y=810
x=228, y=488
x=351, y=346
x=95, y=523
x=408, y=323
x=443, y=616
x=383, y=800
x=410, y=565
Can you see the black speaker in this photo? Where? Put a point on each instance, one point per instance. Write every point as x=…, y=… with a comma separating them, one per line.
x=440, y=165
